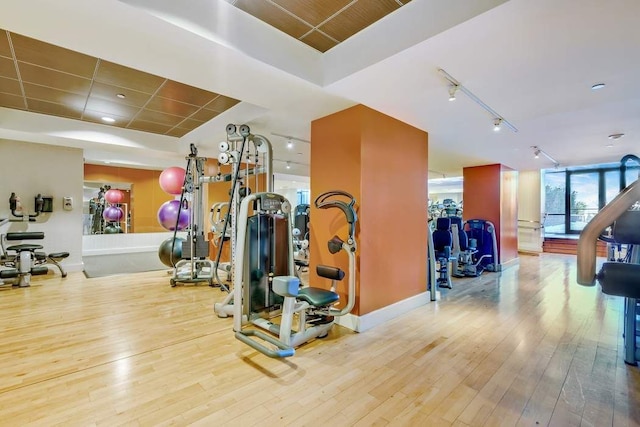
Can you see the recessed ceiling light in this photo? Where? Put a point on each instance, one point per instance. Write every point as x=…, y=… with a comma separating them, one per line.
x=108, y=119
x=597, y=86
x=121, y=95
x=616, y=136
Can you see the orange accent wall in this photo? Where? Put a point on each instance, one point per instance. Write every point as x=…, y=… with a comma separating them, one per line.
x=490, y=193
x=146, y=194
x=382, y=162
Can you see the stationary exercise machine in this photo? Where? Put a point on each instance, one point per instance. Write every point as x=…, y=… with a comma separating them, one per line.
x=265, y=287
x=617, y=278
x=482, y=252
x=442, y=243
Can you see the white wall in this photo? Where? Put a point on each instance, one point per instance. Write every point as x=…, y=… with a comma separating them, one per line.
x=28, y=169
x=530, y=235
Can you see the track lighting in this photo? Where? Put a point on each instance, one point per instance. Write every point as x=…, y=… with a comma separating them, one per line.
x=288, y=165
x=289, y=144
x=452, y=92
x=496, y=125
x=537, y=151
x=456, y=85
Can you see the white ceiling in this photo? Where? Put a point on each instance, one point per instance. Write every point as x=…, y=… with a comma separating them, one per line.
x=533, y=61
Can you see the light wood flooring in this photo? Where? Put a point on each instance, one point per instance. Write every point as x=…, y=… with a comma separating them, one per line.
x=528, y=347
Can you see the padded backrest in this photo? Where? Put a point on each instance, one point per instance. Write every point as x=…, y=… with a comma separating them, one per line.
x=462, y=235
x=626, y=229
x=328, y=272
x=443, y=224
x=442, y=234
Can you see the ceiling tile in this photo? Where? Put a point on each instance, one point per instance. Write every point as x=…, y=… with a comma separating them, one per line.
x=318, y=41
x=221, y=103
x=171, y=106
x=109, y=92
x=107, y=107
x=118, y=75
x=273, y=15
x=178, y=132
x=149, y=126
x=312, y=11
x=12, y=101
x=55, y=79
x=191, y=124
x=51, y=56
x=10, y=86
x=358, y=16
x=185, y=93
x=158, y=117
x=54, y=109
x=44, y=93
x=96, y=117
x=8, y=68
x=205, y=115
x=5, y=49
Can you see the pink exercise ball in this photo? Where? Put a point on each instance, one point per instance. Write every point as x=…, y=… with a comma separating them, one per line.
x=113, y=214
x=171, y=180
x=114, y=196
x=168, y=213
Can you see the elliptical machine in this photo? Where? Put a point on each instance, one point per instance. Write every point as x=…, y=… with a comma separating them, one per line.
x=265, y=286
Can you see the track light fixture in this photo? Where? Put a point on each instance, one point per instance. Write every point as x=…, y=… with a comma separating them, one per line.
x=496, y=125
x=537, y=151
x=452, y=92
x=458, y=86
x=288, y=165
x=289, y=144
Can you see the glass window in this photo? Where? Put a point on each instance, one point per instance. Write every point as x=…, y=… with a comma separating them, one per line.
x=611, y=184
x=554, y=204
x=584, y=198
x=303, y=197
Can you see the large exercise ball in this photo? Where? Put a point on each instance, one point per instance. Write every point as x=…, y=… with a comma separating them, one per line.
x=113, y=214
x=168, y=213
x=114, y=196
x=112, y=229
x=171, y=180
x=170, y=257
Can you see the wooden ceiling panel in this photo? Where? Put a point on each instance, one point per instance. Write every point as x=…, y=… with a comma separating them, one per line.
x=55, y=79
x=44, y=93
x=312, y=11
x=274, y=16
x=358, y=16
x=53, y=109
x=5, y=49
x=185, y=93
x=96, y=117
x=158, y=117
x=47, y=55
x=319, y=41
x=109, y=92
x=108, y=107
x=191, y=124
x=10, y=86
x=204, y=115
x=149, y=126
x=221, y=103
x=12, y=101
x=170, y=106
x=118, y=75
x=178, y=132
x=8, y=68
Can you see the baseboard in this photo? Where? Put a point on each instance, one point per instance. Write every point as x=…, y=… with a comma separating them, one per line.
x=77, y=266
x=382, y=315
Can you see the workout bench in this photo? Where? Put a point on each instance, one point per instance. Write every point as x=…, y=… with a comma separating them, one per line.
x=25, y=259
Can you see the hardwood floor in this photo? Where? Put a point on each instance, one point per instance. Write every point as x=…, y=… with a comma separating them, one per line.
x=528, y=347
